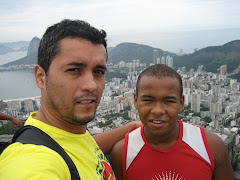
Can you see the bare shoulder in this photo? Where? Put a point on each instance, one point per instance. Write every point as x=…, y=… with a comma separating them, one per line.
x=223, y=168
x=116, y=159
x=217, y=146
x=215, y=142
x=117, y=150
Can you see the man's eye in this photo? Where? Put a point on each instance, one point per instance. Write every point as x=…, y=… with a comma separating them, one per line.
x=74, y=70
x=147, y=100
x=169, y=101
x=99, y=72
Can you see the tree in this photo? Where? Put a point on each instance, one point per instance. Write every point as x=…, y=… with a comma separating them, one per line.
x=8, y=128
x=115, y=94
x=208, y=119
x=196, y=114
x=204, y=108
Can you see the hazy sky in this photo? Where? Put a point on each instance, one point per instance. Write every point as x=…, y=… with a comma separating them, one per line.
x=166, y=24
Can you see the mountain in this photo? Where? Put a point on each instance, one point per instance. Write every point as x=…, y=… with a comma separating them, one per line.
x=33, y=46
x=13, y=47
x=31, y=57
x=212, y=57
x=5, y=49
x=23, y=48
x=128, y=51
x=16, y=45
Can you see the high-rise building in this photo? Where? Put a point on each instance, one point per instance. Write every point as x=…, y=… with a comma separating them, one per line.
x=163, y=60
x=121, y=64
x=223, y=69
x=129, y=84
x=187, y=96
x=216, y=108
x=155, y=56
x=188, y=84
x=169, y=61
x=137, y=63
x=195, y=102
x=134, y=64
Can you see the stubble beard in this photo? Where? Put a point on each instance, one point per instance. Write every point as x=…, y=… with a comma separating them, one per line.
x=66, y=113
x=81, y=121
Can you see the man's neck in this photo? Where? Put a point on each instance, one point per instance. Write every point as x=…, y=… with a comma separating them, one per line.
x=45, y=116
x=165, y=141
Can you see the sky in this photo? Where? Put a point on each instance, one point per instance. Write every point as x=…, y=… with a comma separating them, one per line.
x=170, y=25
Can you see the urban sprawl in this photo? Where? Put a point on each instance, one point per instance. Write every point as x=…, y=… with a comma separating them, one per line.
x=211, y=99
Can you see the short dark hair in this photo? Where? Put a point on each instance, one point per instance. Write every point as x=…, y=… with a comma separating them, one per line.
x=160, y=71
x=49, y=44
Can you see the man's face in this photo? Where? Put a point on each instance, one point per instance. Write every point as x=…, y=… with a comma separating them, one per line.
x=75, y=81
x=158, y=103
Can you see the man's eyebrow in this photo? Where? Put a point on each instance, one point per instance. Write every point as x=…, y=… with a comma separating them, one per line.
x=170, y=97
x=76, y=64
x=146, y=96
x=101, y=67
x=79, y=64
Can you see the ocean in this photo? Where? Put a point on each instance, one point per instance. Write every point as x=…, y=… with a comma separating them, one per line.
x=9, y=57
x=17, y=85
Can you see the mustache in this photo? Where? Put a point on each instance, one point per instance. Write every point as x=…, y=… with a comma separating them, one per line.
x=86, y=95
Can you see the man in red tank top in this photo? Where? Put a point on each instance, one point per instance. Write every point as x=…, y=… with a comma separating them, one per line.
x=165, y=148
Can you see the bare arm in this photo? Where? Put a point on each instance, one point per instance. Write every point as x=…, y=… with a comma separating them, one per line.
x=108, y=139
x=116, y=160
x=223, y=169
x=14, y=120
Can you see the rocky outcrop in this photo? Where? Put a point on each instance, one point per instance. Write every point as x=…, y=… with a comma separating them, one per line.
x=33, y=46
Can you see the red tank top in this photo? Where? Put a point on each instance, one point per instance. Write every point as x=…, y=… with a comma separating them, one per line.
x=190, y=158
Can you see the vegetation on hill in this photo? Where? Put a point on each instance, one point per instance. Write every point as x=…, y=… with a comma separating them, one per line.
x=212, y=57
x=127, y=52
x=236, y=76
x=8, y=128
x=30, y=59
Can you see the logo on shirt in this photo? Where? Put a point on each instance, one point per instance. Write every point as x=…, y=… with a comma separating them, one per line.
x=168, y=176
x=103, y=168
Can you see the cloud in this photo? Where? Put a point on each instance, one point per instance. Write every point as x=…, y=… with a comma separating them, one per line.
x=32, y=17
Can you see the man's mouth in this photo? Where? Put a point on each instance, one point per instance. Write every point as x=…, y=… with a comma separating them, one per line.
x=85, y=102
x=87, y=98
x=157, y=122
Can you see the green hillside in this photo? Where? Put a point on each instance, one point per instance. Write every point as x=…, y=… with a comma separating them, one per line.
x=30, y=59
x=212, y=57
x=129, y=51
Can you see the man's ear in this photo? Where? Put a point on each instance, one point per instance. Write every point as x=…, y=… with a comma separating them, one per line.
x=135, y=100
x=40, y=76
x=181, y=103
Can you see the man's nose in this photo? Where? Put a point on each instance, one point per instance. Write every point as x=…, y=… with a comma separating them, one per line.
x=158, y=108
x=88, y=83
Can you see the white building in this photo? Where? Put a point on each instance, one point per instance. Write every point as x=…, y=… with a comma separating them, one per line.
x=195, y=102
